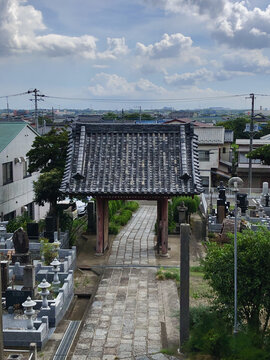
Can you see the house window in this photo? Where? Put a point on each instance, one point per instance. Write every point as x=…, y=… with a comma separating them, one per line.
x=7, y=173
x=25, y=169
x=10, y=216
x=224, y=150
x=204, y=155
x=205, y=181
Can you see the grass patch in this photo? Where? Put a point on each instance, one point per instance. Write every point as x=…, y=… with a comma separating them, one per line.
x=172, y=273
x=170, y=352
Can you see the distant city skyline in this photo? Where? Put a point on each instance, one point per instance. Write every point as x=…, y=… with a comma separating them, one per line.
x=145, y=49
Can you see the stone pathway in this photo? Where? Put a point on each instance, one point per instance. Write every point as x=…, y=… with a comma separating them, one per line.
x=125, y=319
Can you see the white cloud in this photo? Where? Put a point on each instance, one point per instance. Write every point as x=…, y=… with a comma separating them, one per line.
x=20, y=28
x=252, y=61
x=116, y=47
x=202, y=76
x=170, y=46
x=115, y=85
x=189, y=79
x=231, y=22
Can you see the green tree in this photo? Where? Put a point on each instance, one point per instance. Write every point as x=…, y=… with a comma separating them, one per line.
x=48, y=155
x=110, y=116
x=262, y=153
x=253, y=269
x=48, y=151
x=238, y=126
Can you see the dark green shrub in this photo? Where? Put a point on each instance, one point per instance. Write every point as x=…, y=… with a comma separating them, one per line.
x=123, y=217
x=65, y=221
x=17, y=222
x=191, y=204
x=48, y=250
x=131, y=205
x=113, y=228
x=209, y=333
x=114, y=206
x=41, y=225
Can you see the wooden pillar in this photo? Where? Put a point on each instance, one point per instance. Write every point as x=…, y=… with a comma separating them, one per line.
x=1, y=323
x=159, y=224
x=164, y=229
x=106, y=223
x=184, y=286
x=100, y=226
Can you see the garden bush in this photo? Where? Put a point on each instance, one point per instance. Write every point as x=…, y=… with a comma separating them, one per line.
x=191, y=204
x=131, y=205
x=113, y=228
x=120, y=213
x=123, y=217
x=48, y=250
x=211, y=334
x=17, y=222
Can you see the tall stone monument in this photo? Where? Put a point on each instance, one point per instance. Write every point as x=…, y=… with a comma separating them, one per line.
x=21, y=245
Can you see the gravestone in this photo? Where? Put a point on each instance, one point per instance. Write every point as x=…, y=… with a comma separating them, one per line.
x=242, y=202
x=222, y=206
x=32, y=231
x=49, y=228
x=4, y=275
x=29, y=283
x=21, y=245
x=29, y=277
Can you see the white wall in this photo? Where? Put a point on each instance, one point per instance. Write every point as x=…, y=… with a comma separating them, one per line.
x=19, y=193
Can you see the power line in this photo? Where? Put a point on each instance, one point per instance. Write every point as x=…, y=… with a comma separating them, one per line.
x=133, y=100
x=12, y=95
x=146, y=100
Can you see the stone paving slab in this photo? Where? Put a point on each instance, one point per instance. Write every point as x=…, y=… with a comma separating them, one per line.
x=124, y=321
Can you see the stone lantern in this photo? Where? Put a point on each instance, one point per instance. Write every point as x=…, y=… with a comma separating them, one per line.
x=56, y=245
x=55, y=263
x=29, y=312
x=44, y=285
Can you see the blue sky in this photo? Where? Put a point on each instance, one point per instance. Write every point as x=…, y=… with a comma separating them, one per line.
x=121, y=50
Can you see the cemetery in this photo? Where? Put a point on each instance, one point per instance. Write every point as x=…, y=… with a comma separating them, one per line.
x=251, y=213
x=35, y=294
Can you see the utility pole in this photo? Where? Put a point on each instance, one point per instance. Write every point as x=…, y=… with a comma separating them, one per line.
x=251, y=143
x=36, y=99
x=7, y=108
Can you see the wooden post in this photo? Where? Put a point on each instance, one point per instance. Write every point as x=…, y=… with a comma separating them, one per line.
x=184, y=286
x=159, y=225
x=164, y=230
x=106, y=223
x=1, y=323
x=100, y=226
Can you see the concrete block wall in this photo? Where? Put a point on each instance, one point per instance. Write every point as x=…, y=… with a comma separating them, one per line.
x=58, y=306
x=23, y=338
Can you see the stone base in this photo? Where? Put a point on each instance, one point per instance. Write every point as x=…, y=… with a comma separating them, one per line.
x=164, y=255
x=21, y=258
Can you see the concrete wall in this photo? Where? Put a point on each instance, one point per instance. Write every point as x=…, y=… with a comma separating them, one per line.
x=19, y=193
x=24, y=337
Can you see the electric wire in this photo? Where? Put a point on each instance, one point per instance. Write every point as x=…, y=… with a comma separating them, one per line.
x=186, y=99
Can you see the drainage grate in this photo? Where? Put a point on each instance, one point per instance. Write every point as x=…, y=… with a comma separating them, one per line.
x=65, y=345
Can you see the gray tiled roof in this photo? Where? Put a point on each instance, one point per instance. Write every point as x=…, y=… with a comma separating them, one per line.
x=135, y=160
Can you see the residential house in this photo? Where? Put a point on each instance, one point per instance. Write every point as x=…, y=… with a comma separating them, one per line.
x=260, y=172
x=16, y=184
x=215, y=154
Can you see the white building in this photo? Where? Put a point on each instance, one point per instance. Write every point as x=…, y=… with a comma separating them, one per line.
x=215, y=154
x=260, y=172
x=16, y=185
